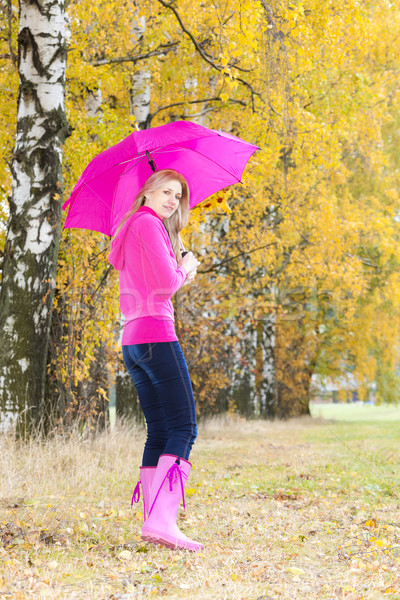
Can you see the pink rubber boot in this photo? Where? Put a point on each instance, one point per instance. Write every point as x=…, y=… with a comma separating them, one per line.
x=146, y=481
x=168, y=488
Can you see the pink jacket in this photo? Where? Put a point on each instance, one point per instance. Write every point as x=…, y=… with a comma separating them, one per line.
x=148, y=271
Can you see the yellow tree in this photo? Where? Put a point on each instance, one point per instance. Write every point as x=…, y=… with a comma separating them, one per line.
x=111, y=65
x=328, y=86
x=290, y=258
x=287, y=258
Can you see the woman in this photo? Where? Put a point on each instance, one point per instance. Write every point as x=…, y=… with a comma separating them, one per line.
x=147, y=253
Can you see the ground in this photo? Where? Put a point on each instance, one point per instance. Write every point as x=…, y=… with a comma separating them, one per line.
x=300, y=509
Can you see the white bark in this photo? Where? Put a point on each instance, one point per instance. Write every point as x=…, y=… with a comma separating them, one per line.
x=267, y=391
x=141, y=89
x=125, y=392
x=140, y=97
x=93, y=102
x=33, y=236
x=254, y=385
x=199, y=114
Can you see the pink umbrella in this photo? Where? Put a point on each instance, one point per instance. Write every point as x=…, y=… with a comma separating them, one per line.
x=210, y=160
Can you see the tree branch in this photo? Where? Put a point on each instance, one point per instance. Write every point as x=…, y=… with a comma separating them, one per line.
x=196, y=44
x=183, y=103
x=232, y=258
x=163, y=49
x=102, y=281
x=204, y=56
x=9, y=33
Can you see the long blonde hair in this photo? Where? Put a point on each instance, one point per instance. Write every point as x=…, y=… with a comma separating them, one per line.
x=176, y=222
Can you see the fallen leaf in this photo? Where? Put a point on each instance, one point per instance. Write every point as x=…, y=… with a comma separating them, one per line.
x=295, y=571
x=348, y=589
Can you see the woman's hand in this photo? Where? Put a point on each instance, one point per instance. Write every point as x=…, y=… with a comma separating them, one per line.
x=190, y=263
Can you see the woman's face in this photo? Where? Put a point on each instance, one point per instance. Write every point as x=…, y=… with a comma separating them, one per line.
x=165, y=200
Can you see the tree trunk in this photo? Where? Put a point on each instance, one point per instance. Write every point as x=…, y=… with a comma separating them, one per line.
x=266, y=388
x=139, y=94
x=33, y=234
x=140, y=98
x=126, y=401
x=254, y=388
x=82, y=404
x=243, y=389
x=294, y=371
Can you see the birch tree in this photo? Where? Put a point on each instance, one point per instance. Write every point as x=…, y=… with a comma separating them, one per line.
x=127, y=403
x=33, y=229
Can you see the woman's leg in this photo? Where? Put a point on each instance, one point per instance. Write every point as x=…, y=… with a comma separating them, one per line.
x=160, y=372
x=165, y=392
x=156, y=421
x=170, y=377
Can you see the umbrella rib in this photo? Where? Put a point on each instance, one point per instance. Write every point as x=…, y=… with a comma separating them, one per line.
x=129, y=160
x=132, y=166
x=208, y=158
x=115, y=194
x=116, y=164
x=83, y=186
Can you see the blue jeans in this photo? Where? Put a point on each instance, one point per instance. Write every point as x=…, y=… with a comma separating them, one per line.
x=162, y=381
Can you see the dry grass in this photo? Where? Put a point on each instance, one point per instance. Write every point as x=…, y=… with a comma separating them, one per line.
x=301, y=509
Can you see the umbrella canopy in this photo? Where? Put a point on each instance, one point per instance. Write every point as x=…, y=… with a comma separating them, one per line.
x=210, y=160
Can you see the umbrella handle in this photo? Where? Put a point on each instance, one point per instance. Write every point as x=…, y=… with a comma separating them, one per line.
x=182, y=246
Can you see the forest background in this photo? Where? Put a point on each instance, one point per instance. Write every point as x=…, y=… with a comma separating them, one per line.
x=300, y=263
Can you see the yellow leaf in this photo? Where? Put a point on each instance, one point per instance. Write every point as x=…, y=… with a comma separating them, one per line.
x=370, y=523
x=381, y=543
x=295, y=571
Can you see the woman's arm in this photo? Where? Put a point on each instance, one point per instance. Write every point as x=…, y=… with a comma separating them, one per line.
x=157, y=259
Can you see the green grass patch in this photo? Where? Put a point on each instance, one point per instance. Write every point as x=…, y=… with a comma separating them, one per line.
x=356, y=411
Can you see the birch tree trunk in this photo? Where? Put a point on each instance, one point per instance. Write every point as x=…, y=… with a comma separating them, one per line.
x=139, y=94
x=33, y=235
x=266, y=384
x=126, y=398
x=140, y=98
x=254, y=382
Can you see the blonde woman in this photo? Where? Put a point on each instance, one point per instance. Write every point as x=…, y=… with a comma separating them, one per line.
x=147, y=253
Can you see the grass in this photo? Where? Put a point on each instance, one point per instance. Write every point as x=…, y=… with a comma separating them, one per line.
x=357, y=411
x=301, y=509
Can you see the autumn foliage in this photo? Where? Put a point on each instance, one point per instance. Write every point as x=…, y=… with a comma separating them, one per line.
x=300, y=263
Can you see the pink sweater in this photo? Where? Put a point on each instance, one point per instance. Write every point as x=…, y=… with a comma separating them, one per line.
x=148, y=277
